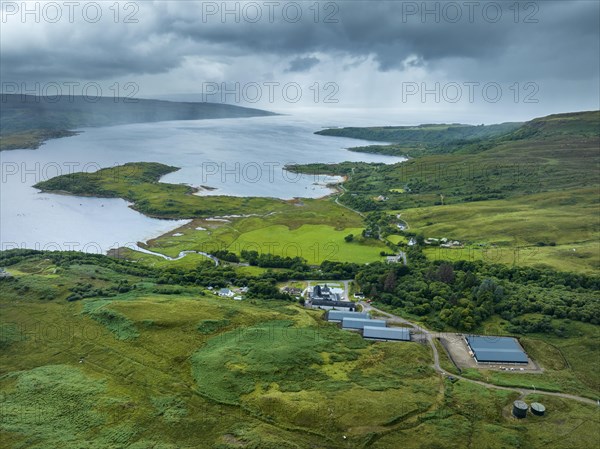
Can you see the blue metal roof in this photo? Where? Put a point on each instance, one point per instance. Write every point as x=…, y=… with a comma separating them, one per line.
x=359, y=323
x=339, y=315
x=387, y=333
x=496, y=349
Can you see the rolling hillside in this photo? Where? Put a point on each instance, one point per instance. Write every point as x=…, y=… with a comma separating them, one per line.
x=474, y=191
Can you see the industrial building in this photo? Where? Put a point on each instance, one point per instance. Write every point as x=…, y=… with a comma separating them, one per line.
x=488, y=349
x=330, y=305
x=339, y=315
x=324, y=292
x=360, y=323
x=386, y=333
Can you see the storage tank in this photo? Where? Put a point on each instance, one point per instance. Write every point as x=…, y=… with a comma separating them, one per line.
x=538, y=409
x=520, y=409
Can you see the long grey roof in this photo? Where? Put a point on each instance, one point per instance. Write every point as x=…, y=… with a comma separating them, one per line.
x=331, y=303
x=359, y=323
x=339, y=315
x=387, y=333
x=497, y=349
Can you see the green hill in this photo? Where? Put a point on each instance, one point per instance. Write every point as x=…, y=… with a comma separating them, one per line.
x=541, y=177
x=422, y=139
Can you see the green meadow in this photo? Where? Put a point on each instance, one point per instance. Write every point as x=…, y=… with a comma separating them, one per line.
x=557, y=229
x=312, y=231
x=190, y=370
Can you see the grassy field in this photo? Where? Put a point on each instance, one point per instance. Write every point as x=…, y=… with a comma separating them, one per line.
x=145, y=370
x=565, y=359
x=315, y=243
x=313, y=230
x=541, y=229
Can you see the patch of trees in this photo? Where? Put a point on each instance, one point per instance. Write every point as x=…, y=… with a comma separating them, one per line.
x=266, y=289
x=464, y=294
x=267, y=260
x=227, y=256
x=86, y=290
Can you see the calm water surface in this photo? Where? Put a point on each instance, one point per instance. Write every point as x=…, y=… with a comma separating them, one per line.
x=242, y=157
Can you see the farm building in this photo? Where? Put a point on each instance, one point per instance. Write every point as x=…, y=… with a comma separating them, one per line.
x=339, y=315
x=360, y=323
x=386, y=333
x=329, y=305
x=490, y=349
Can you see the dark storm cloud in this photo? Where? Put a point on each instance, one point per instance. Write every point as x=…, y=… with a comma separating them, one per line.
x=302, y=64
x=390, y=32
x=563, y=42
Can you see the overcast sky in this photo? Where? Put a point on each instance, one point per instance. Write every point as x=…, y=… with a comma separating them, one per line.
x=444, y=60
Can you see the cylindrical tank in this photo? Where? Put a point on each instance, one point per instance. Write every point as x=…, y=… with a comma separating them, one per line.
x=520, y=409
x=538, y=409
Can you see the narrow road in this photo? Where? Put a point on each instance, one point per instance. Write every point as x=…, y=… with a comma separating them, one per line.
x=337, y=198
x=436, y=361
x=343, y=192
x=347, y=289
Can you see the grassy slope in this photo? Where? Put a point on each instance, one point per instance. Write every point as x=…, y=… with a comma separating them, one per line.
x=27, y=121
x=536, y=184
x=423, y=139
x=203, y=372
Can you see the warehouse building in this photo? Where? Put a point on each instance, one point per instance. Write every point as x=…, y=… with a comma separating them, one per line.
x=490, y=349
x=360, y=323
x=339, y=315
x=386, y=333
x=330, y=305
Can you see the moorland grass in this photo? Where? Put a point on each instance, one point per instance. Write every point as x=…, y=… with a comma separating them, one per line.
x=307, y=387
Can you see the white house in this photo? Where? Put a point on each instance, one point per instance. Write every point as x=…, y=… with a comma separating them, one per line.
x=225, y=292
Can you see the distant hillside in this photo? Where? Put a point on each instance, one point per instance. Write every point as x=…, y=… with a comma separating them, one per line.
x=26, y=121
x=430, y=139
x=579, y=124
x=423, y=139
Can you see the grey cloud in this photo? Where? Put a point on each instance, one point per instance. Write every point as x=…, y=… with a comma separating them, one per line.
x=562, y=45
x=302, y=64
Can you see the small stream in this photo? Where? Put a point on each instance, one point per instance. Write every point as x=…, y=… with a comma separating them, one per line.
x=181, y=255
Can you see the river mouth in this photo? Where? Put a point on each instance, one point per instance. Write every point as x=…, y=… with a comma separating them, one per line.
x=233, y=157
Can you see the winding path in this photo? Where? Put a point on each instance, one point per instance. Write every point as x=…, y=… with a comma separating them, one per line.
x=436, y=361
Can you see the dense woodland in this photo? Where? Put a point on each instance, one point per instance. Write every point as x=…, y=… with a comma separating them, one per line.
x=463, y=294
